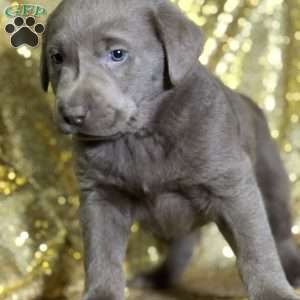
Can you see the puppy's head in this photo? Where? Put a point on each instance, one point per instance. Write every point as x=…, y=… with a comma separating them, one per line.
x=107, y=60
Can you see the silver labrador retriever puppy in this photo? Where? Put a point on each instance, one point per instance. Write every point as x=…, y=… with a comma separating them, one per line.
x=158, y=139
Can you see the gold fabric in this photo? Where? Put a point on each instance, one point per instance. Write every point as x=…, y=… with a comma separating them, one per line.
x=253, y=45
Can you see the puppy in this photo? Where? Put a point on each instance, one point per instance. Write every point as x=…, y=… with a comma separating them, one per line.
x=160, y=140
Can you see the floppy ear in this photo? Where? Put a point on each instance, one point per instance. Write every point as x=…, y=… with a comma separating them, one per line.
x=44, y=65
x=182, y=40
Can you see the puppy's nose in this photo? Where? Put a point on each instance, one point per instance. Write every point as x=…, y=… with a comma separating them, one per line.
x=78, y=121
x=74, y=116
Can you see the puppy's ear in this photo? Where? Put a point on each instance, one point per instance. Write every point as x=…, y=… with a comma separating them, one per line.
x=181, y=38
x=44, y=73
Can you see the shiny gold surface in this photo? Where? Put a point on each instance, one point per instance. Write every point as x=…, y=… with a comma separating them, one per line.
x=253, y=45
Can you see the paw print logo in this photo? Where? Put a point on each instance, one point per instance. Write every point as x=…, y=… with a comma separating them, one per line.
x=24, y=31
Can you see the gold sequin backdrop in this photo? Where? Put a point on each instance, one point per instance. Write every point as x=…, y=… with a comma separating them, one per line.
x=253, y=45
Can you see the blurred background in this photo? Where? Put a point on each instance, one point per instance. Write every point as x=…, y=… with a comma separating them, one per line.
x=252, y=45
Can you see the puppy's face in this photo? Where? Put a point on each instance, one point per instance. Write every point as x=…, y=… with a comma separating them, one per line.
x=109, y=60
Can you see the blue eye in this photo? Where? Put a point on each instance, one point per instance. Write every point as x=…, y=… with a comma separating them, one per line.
x=118, y=55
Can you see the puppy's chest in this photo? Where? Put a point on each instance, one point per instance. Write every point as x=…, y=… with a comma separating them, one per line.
x=166, y=199
x=141, y=168
x=174, y=214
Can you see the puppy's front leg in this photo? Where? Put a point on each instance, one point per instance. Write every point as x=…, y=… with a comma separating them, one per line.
x=243, y=221
x=106, y=221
